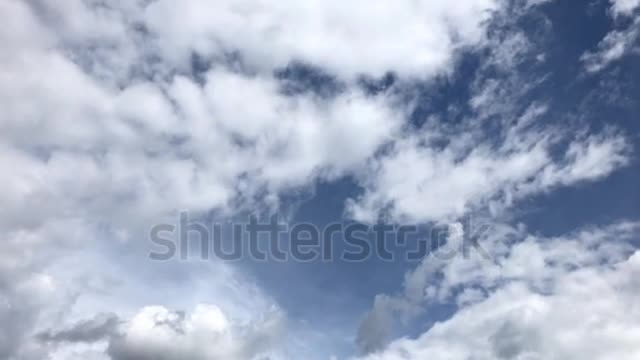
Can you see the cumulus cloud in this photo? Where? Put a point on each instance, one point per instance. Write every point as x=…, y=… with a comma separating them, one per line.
x=101, y=138
x=349, y=40
x=361, y=37
x=624, y=7
x=193, y=145
x=156, y=332
x=116, y=115
x=504, y=148
x=569, y=297
x=418, y=183
x=29, y=293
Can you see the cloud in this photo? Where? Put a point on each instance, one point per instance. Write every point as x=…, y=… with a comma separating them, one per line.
x=116, y=115
x=375, y=329
x=502, y=147
x=109, y=129
x=104, y=139
x=618, y=42
x=624, y=7
x=570, y=296
x=359, y=38
x=29, y=293
x=193, y=145
x=197, y=144
x=155, y=332
x=87, y=331
x=421, y=183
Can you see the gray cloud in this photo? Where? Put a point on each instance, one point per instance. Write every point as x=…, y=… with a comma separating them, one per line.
x=99, y=328
x=512, y=340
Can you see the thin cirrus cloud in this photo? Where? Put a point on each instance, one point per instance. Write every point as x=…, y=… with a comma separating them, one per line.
x=117, y=115
x=619, y=42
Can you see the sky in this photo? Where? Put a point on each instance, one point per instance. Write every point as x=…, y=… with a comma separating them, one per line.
x=504, y=132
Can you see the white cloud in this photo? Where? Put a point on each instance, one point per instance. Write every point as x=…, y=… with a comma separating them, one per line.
x=155, y=332
x=571, y=297
x=29, y=292
x=624, y=7
x=94, y=153
x=613, y=47
x=504, y=149
x=56, y=277
x=619, y=42
x=205, y=333
x=359, y=37
x=105, y=131
x=190, y=146
x=421, y=181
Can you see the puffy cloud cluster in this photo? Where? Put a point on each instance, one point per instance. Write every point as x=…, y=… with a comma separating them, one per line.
x=418, y=182
x=511, y=297
x=156, y=332
x=360, y=38
x=117, y=114
x=347, y=39
x=158, y=145
x=502, y=150
x=101, y=136
x=624, y=7
x=535, y=298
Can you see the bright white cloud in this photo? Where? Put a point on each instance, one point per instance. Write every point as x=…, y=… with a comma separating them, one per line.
x=205, y=333
x=190, y=146
x=571, y=297
x=155, y=332
x=499, y=153
x=624, y=7
x=105, y=130
x=100, y=152
x=421, y=181
x=358, y=37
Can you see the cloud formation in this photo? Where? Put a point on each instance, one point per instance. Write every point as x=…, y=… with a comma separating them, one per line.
x=155, y=332
x=117, y=115
x=619, y=42
x=537, y=298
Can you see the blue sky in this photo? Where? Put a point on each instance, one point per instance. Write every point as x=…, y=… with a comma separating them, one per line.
x=518, y=116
